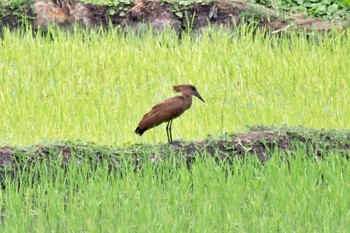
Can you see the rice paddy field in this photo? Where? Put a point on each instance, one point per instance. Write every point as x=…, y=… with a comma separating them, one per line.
x=94, y=87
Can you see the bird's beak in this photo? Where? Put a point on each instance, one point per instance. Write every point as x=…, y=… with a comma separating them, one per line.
x=199, y=96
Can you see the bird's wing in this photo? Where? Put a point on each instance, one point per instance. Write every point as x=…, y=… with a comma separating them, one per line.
x=162, y=112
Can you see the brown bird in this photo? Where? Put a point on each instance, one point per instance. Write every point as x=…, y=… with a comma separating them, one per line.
x=168, y=110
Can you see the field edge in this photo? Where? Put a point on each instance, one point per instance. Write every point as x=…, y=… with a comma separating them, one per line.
x=260, y=142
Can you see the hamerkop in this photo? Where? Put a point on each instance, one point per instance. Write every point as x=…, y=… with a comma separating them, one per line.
x=168, y=110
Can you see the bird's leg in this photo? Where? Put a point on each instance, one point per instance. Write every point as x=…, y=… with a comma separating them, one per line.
x=167, y=131
x=170, y=133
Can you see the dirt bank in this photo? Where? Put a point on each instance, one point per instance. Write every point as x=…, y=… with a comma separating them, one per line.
x=259, y=142
x=160, y=15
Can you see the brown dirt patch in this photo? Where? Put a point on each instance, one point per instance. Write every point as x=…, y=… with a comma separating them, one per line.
x=160, y=15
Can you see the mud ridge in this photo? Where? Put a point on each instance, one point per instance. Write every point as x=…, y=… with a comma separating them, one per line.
x=259, y=142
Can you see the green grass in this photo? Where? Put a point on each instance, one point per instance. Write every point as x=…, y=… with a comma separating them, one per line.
x=328, y=9
x=93, y=86
x=309, y=196
x=96, y=86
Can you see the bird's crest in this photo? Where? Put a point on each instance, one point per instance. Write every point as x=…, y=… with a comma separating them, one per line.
x=177, y=88
x=182, y=88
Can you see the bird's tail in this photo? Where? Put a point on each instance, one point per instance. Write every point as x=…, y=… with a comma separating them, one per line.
x=139, y=131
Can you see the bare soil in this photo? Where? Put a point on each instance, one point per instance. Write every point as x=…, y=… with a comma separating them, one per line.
x=160, y=15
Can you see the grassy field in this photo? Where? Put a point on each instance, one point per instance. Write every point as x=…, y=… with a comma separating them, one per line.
x=96, y=87
x=307, y=196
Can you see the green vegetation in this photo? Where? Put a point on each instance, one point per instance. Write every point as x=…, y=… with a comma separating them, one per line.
x=304, y=195
x=95, y=86
x=15, y=2
x=16, y=8
x=327, y=9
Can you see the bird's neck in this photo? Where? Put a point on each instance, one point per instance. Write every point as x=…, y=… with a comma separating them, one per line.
x=187, y=100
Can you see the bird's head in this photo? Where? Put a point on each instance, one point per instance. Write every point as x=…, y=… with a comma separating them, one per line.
x=188, y=89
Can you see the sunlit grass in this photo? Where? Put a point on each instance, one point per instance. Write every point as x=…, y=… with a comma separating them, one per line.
x=95, y=86
x=303, y=195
